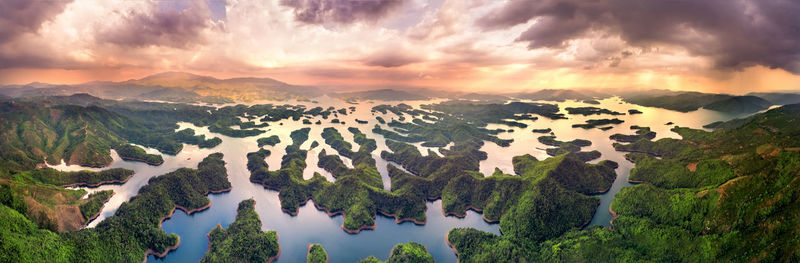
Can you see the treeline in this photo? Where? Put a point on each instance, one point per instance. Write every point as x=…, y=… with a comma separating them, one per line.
x=408, y=252
x=243, y=240
x=131, y=152
x=725, y=196
x=80, y=178
x=130, y=233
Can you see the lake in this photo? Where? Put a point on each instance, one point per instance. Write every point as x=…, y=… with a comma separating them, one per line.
x=314, y=226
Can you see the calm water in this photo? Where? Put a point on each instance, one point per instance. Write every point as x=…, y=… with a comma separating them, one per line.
x=314, y=226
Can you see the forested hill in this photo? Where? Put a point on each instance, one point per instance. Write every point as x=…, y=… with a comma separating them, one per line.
x=723, y=196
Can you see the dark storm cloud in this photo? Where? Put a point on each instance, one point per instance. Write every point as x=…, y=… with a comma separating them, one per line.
x=170, y=27
x=26, y=16
x=340, y=11
x=733, y=33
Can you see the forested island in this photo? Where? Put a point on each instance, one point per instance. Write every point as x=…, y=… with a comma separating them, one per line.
x=691, y=189
x=243, y=240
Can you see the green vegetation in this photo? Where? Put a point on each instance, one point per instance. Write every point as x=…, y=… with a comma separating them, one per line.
x=739, y=104
x=95, y=203
x=677, y=101
x=187, y=136
x=37, y=194
x=357, y=193
x=271, y=141
x=439, y=134
x=130, y=152
x=634, y=111
x=130, y=233
x=24, y=241
x=534, y=208
x=495, y=112
x=641, y=133
x=411, y=252
x=547, y=130
x=79, y=178
x=563, y=147
x=50, y=130
x=316, y=254
x=586, y=111
x=690, y=101
x=599, y=122
x=726, y=196
x=243, y=241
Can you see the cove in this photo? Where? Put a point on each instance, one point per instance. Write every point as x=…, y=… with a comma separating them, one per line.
x=314, y=226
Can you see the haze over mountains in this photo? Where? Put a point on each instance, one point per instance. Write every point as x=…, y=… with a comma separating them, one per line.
x=184, y=87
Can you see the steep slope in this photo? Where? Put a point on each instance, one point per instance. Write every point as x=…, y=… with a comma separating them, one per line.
x=739, y=104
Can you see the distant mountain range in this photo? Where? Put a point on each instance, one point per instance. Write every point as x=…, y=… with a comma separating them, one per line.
x=380, y=94
x=186, y=87
x=173, y=87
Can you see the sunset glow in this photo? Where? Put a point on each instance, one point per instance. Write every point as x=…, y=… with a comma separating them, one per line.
x=493, y=46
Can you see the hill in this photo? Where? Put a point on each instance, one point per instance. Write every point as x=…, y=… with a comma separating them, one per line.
x=381, y=94
x=739, y=104
x=559, y=95
x=173, y=87
x=778, y=98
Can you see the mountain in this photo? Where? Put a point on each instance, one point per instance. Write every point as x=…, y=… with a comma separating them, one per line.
x=173, y=87
x=778, y=98
x=686, y=101
x=559, y=95
x=739, y=104
x=677, y=101
x=381, y=94
x=484, y=97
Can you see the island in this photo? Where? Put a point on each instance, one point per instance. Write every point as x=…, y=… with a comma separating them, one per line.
x=597, y=122
x=408, y=252
x=316, y=254
x=271, y=141
x=243, y=240
x=131, y=152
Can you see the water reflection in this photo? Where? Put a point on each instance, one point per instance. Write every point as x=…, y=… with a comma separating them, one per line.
x=313, y=226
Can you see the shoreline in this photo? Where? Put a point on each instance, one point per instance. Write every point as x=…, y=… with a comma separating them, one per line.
x=349, y=231
x=308, y=252
x=470, y=207
x=276, y=256
x=404, y=219
x=614, y=215
x=93, y=217
x=603, y=191
x=638, y=182
x=98, y=184
x=161, y=255
x=172, y=212
x=270, y=259
x=321, y=208
x=131, y=159
x=592, y=218
x=447, y=240
x=637, y=151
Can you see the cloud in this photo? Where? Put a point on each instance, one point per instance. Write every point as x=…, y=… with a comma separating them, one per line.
x=390, y=58
x=26, y=16
x=439, y=24
x=734, y=34
x=171, y=26
x=340, y=11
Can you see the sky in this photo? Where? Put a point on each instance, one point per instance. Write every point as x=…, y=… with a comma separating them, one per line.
x=727, y=46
